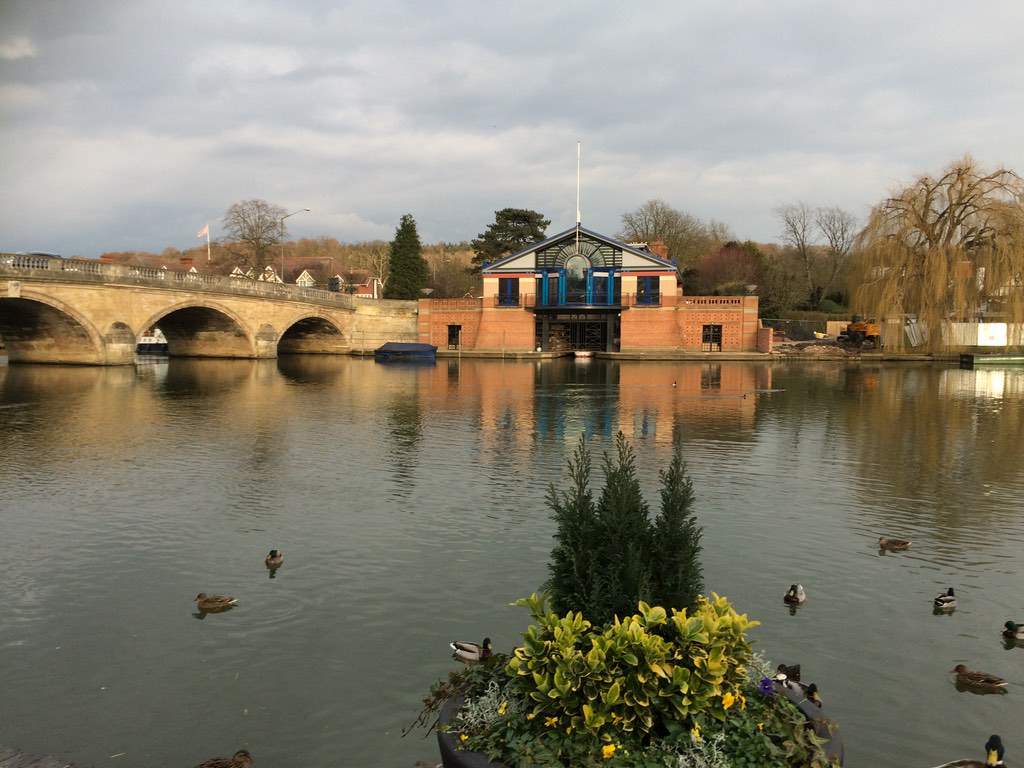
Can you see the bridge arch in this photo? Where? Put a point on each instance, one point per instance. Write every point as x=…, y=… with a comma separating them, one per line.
x=202, y=329
x=40, y=329
x=312, y=334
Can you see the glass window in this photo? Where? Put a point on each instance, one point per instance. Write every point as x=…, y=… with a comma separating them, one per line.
x=648, y=290
x=508, y=291
x=576, y=279
x=454, y=336
x=711, y=338
x=600, y=289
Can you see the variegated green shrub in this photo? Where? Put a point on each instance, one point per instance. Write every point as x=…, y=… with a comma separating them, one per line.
x=643, y=674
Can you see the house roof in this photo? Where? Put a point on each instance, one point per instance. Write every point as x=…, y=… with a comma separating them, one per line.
x=626, y=247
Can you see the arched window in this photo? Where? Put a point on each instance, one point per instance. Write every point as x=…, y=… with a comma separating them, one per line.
x=576, y=279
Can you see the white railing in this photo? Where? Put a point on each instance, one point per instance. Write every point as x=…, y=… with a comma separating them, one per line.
x=89, y=270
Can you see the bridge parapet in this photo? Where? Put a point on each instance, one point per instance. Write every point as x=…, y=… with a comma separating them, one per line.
x=31, y=266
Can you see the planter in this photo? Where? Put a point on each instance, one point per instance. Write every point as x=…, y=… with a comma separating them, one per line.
x=453, y=757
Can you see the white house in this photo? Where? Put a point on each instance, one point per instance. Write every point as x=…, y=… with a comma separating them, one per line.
x=305, y=279
x=269, y=275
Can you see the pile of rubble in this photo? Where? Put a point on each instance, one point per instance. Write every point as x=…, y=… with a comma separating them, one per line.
x=818, y=348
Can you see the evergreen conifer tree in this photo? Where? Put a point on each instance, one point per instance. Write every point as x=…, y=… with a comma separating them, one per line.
x=609, y=555
x=623, y=537
x=570, y=584
x=407, y=270
x=678, y=577
x=513, y=229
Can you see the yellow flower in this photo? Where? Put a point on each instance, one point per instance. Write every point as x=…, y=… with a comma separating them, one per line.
x=503, y=708
x=531, y=715
x=550, y=722
x=760, y=726
x=743, y=701
x=607, y=751
x=695, y=732
x=463, y=737
x=728, y=700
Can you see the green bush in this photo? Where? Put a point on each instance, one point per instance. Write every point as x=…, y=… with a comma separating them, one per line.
x=645, y=673
x=609, y=554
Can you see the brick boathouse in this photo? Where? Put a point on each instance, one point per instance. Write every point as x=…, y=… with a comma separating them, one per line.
x=580, y=290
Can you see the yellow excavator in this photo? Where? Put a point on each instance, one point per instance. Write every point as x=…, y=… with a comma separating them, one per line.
x=860, y=330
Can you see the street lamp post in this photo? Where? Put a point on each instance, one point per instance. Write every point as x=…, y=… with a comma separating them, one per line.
x=301, y=210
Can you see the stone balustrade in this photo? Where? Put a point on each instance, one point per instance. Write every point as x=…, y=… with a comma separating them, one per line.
x=16, y=265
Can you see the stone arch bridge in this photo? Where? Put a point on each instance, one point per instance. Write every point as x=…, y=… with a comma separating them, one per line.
x=55, y=310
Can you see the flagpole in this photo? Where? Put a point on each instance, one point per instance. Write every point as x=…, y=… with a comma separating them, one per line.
x=579, y=145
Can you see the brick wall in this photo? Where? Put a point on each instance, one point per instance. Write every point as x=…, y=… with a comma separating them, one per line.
x=484, y=327
x=736, y=314
x=507, y=328
x=673, y=327
x=649, y=328
x=437, y=314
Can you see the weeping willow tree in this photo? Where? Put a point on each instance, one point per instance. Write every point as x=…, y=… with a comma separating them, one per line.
x=942, y=250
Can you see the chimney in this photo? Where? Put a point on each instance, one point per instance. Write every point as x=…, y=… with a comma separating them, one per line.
x=658, y=248
x=186, y=261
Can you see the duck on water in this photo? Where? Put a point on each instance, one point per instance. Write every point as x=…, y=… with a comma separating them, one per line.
x=994, y=752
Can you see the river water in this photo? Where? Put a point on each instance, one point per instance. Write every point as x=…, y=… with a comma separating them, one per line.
x=409, y=503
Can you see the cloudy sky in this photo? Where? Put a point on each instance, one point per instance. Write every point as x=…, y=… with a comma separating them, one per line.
x=129, y=125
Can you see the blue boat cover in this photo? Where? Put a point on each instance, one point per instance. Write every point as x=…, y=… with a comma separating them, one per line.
x=400, y=348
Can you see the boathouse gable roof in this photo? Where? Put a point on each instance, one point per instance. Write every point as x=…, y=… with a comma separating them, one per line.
x=603, y=251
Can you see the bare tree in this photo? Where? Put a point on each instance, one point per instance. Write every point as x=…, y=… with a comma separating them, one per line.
x=798, y=233
x=687, y=237
x=944, y=249
x=839, y=228
x=254, y=227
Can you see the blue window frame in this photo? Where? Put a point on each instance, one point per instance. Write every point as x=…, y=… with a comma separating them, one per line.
x=648, y=291
x=508, y=291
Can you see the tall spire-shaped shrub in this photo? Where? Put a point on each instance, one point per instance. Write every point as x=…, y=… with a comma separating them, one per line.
x=623, y=536
x=677, y=574
x=610, y=555
x=571, y=577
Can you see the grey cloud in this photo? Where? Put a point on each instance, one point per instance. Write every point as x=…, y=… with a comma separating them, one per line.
x=133, y=122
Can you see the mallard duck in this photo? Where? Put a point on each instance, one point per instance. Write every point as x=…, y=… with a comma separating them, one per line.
x=994, y=752
x=241, y=759
x=811, y=692
x=471, y=651
x=945, y=601
x=1013, y=631
x=213, y=603
x=980, y=680
x=274, y=559
x=788, y=672
x=893, y=545
x=795, y=595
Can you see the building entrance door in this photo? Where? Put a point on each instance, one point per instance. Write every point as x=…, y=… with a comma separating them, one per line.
x=711, y=338
x=584, y=331
x=454, y=336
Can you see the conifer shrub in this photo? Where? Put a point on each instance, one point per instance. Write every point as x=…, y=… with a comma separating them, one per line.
x=609, y=554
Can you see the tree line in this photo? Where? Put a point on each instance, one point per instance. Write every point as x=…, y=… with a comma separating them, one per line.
x=945, y=247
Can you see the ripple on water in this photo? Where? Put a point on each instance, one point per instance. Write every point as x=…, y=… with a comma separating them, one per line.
x=409, y=505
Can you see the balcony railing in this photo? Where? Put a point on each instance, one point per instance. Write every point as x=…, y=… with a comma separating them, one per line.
x=532, y=301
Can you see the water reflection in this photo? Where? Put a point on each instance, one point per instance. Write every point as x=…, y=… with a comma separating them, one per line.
x=798, y=470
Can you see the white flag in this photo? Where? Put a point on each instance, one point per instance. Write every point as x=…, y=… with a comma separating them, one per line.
x=204, y=232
